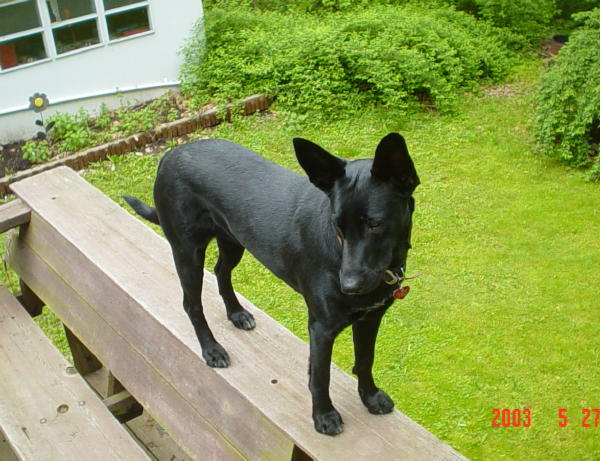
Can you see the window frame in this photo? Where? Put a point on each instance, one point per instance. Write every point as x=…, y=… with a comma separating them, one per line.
x=47, y=28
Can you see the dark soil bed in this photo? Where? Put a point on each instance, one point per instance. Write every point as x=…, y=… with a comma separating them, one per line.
x=11, y=158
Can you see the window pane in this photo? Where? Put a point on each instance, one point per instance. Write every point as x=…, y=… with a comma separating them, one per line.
x=75, y=36
x=22, y=51
x=110, y=4
x=61, y=10
x=18, y=17
x=128, y=23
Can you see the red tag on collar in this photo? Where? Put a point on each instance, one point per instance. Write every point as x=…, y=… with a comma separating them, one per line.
x=400, y=293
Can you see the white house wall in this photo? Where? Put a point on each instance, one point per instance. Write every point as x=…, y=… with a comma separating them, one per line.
x=135, y=68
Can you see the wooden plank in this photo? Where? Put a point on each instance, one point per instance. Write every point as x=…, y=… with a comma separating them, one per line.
x=130, y=284
x=140, y=330
x=6, y=452
x=13, y=214
x=142, y=379
x=156, y=440
x=45, y=412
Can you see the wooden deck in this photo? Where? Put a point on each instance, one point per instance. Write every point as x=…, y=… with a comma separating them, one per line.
x=47, y=411
x=112, y=282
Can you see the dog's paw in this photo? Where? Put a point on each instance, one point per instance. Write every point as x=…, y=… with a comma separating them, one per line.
x=243, y=320
x=216, y=356
x=329, y=423
x=378, y=403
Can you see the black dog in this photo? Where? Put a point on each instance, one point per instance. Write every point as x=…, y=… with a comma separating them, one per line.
x=342, y=244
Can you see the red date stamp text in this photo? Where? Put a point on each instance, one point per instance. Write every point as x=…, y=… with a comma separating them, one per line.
x=517, y=417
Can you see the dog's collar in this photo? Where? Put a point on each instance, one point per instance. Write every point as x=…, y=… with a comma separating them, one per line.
x=393, y=277
x=400, y=291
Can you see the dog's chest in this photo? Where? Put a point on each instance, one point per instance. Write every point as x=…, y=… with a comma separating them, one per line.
x=359, y=312
x=376, y=306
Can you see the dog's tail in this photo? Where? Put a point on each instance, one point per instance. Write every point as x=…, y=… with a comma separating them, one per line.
x=145, y=211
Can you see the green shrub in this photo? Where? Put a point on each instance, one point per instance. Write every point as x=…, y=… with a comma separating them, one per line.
x=289, y=5
x=104, y=119
x=36, y=151
x=568, y=102
x=134, y=121
x=72, y=132
x=529, y=18
x=568, y=7
x=333, y=63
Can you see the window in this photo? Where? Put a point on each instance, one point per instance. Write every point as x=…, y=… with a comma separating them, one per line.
x=125, y=22
x=64, y=10
x=74, y=36
x=21, y=40
x=34, y=30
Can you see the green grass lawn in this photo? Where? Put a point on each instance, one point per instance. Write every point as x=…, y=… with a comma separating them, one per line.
x=507, y=314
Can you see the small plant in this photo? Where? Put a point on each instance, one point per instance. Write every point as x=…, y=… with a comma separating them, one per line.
x=36, y=151
x=72, y=132
x=134, y=121
x=104, y=120
x=172, y=115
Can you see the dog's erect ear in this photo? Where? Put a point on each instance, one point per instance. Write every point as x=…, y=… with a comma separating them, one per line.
x=321, y=167
x=393, y=164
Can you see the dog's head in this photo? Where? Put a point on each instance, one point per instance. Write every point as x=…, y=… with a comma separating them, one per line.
x=371, y=208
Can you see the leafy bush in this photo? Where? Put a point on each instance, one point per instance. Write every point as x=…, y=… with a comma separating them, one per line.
x=130, y=120
x=529, y=18
x=36, y=151
x=568, y=7
x=72, y=131
x=134, y=121
x=290, y=5
x=568, y=102
x=333, y=63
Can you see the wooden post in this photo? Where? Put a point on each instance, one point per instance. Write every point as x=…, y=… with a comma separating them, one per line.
x=30, y=300
x=114, y=386
x=123, y=406
x=85, y=362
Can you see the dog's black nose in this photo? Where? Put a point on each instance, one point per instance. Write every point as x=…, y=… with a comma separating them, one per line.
x=351, y=285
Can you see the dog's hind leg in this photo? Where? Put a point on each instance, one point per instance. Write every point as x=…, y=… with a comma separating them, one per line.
x=189, y=262
x=230, y=254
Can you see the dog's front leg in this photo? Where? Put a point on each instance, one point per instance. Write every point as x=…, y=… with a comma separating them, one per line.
x=364, y=335
x=326, y=418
